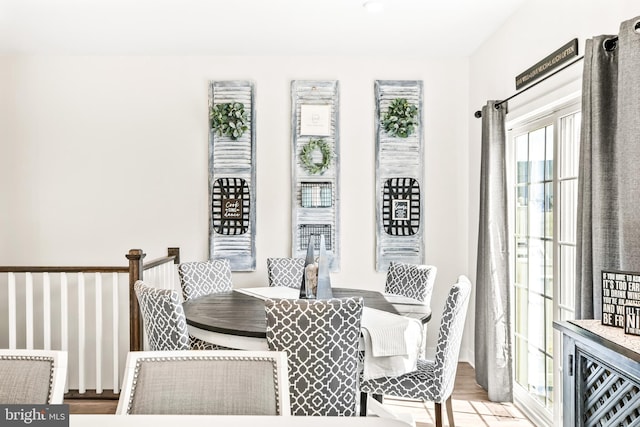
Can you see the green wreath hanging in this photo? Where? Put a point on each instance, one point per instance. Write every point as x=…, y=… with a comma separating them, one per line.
x=306, y=156
x=229, y=119
x=401, y=118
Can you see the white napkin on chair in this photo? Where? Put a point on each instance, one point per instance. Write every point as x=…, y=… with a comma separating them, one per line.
x=392, y=343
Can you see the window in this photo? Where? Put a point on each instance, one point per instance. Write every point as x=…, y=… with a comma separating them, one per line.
x=544, y=170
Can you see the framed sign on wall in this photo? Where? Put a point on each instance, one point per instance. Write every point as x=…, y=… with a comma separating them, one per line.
x=621, y=300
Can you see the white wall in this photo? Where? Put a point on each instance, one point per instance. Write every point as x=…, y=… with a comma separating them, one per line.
x=99, y=155
x=533, y=32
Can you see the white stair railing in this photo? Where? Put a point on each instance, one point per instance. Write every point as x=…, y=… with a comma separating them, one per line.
x=82, y=310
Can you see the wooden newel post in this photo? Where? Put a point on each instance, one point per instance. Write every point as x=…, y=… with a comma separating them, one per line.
x=135, y=257
x=174, y=252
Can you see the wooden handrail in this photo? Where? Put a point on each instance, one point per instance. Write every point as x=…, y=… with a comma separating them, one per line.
x=40, y=269
x=172, y=255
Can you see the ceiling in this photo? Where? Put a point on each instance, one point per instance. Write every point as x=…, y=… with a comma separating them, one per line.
x=423, y=28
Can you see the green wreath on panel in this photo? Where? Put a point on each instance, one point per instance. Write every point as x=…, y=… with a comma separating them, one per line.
x=229, y=119
x=400, y=119
x=306, y=156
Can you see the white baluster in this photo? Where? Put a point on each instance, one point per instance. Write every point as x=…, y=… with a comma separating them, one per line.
x=64, y=319
x=115, y=326
x=46, y=308
x=29, y=309
x=98, y=280
x=12, y=310
x=81, y=334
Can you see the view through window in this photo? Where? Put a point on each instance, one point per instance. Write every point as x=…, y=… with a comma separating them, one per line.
x=544, y=173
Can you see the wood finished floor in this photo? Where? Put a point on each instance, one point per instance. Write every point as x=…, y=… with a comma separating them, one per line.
x=471, y=406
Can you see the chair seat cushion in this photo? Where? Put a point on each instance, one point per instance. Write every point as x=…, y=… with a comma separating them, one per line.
x=419, y=384
x=198, y=344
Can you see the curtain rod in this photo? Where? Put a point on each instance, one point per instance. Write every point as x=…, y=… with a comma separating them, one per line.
x=478, y=113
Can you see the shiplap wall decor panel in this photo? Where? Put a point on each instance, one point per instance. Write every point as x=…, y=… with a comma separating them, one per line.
x=399, y=173
x=315, y=182
x=232, y=181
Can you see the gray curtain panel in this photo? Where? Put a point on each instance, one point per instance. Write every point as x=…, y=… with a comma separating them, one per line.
x=608, y=227
x=493, y=350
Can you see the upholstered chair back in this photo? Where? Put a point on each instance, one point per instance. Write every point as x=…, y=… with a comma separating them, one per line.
x=197, y=382
x=433, y=380
x=34, y=377
x=411, y=280
x=285, y=272
x=450, y=337
x=200, y=278
x=320, y=338
x=163, y=317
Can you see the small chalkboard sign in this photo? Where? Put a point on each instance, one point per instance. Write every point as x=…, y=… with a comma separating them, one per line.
x=621, y=291
x=631, y=320
x=400, y=209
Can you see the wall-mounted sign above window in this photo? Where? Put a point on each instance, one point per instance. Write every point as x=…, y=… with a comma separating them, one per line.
x=564, y=54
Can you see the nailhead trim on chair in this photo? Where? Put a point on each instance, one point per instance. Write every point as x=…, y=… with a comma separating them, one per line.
x=232, y=358
x=40, y=358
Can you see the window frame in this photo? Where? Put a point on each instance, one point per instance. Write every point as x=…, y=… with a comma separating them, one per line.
x=551, y=114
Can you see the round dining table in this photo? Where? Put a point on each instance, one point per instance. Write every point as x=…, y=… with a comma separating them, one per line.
x=237, y=320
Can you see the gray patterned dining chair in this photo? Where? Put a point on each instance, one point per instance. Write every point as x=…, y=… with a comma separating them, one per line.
x=163, y=317
x=199, y=278
x=433, y=380
x=285, y=272
x=205, y=383
x=35, y=377
x=320, y=338
x=411, y=280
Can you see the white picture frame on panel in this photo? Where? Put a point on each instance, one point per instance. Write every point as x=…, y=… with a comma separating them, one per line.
x=315, y=120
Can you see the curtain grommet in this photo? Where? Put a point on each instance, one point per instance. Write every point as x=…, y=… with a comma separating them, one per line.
x=610, y=44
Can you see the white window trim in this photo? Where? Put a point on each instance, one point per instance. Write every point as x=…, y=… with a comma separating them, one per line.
x=559, y=107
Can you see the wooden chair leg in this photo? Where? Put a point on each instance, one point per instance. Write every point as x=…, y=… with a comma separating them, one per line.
x=363, y=404
x=438, y=411
x=449, y=406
